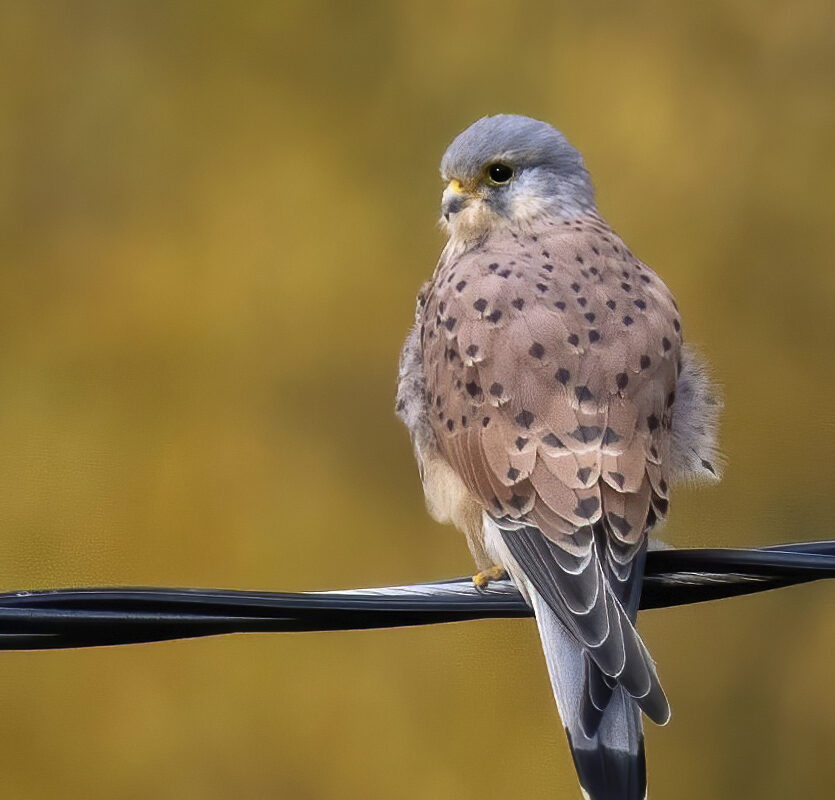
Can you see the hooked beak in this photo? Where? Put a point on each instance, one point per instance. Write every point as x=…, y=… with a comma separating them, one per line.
x=454, y=199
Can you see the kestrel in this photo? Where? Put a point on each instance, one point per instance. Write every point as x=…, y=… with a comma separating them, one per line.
x=551, y=404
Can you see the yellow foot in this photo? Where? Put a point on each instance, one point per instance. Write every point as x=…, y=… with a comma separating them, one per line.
x=482, y=580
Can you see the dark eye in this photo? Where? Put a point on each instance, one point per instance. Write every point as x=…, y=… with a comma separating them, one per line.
x=499, y=173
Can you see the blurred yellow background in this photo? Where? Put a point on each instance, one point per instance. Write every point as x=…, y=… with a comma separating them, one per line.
x=214, y=218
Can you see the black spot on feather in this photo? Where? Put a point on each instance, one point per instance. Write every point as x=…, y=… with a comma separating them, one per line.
x=610, y=436
x=583, y=393
x=525, y=418
x=619, y=523
x=587, y=507
x=585, y=433
x=618, y=478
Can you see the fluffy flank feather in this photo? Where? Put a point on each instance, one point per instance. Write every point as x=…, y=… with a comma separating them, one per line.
x=694, y=449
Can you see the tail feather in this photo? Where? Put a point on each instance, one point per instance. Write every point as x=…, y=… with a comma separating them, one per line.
x=610, y=764
x=607, y=773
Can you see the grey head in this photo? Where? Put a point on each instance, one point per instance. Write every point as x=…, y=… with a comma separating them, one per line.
x=508, y=168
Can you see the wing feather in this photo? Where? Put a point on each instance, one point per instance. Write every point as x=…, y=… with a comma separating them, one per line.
x=549, y=380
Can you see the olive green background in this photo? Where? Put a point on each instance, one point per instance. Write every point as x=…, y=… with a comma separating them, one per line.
x=214, y=218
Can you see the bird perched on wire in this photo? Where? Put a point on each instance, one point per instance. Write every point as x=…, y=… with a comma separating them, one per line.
x=551, y=403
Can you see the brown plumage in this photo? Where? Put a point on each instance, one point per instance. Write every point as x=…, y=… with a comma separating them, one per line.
x=536, y=372
x=551, y=402
x=549, y=359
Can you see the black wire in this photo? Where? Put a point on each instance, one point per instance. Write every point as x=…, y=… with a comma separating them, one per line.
x=87, y=617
